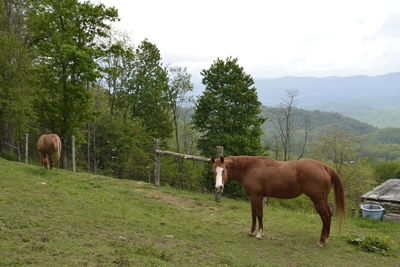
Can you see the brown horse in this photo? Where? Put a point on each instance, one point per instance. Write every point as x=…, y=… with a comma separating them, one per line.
x=49, y=146
x=264, y=177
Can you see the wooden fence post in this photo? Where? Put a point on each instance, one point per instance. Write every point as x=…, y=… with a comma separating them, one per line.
x=73, y=154
x=156, y=147
x=219, y=153
x=26, y=147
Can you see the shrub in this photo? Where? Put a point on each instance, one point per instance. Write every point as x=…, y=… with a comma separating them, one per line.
x=372, y=243
x=387, y=170
x=8, y=155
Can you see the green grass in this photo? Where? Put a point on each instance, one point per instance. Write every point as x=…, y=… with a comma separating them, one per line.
x=58, y=218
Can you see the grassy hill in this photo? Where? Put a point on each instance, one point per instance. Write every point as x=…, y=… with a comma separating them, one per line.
x=58, y=218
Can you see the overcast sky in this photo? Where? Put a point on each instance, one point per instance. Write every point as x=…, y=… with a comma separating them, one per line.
x=271, y=38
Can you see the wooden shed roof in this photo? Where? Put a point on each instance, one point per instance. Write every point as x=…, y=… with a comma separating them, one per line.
x=389, y=191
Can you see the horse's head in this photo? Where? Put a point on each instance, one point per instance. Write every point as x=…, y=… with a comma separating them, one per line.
x=220, y=173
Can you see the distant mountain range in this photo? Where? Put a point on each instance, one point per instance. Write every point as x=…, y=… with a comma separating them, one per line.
x=371, y=99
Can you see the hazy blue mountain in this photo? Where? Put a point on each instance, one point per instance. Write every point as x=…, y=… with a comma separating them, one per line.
x=371, y=99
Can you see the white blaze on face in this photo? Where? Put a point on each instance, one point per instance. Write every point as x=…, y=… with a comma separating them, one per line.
x=218, y=179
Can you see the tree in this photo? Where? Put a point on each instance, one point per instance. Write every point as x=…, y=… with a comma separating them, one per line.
x=385, y=170
x=335, y=145
x=15, y=76
x=65, y=37
x=123, y=149
x=283, y=122
x=307, y=128
x=228, y=113
x=358, y=178
x=179, y=85
x=145, y=96
x=113, y=71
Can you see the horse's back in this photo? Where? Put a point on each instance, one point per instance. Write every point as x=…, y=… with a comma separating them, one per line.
x=49, y=143
x=313, y=175
x=289, y=179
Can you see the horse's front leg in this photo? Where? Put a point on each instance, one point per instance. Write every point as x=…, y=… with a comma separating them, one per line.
x=42, y=155
x=256, y=203
x=253, y=222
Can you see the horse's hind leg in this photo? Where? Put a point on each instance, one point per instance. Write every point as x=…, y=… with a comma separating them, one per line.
x=325, y=213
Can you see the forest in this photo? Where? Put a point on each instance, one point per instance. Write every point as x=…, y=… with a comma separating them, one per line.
x=65, y=69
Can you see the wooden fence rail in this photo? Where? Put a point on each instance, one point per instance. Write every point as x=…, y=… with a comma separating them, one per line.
x=158, y=153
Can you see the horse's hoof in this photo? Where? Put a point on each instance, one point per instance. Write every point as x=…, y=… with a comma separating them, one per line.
x=251, y=234
x=319, y=244
x=260, y=235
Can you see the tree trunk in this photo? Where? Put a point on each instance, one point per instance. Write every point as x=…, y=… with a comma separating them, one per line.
x=94, y=150
x=19, y=150
x=88, y=147
x=64, y=160
x=11, y=138
x=26, y=148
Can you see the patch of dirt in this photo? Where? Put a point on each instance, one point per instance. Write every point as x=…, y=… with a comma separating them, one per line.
x=170, y=199
x=273, y=237
x=177, y=201
x=139, y=190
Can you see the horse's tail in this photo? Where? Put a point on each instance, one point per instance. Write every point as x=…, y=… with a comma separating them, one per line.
x=339, y=197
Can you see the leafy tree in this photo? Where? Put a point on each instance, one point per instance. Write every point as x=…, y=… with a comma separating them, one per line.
x=381, y=151
x=145, y=94
x=227, y=114
x=15, y=77
x=117, y=68
x=358, y=178
x=123, y=149
x=65, y=36
x=179, y=85
x=387, y=170
x=336, y=146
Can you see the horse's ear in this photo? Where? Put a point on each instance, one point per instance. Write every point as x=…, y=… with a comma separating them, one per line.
x=221, y=159
x=212, y=160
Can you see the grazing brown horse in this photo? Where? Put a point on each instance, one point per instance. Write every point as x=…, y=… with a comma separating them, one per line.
x=264, y=177
x=49, y=146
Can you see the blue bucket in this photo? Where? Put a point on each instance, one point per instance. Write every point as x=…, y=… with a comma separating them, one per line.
x=372, y=211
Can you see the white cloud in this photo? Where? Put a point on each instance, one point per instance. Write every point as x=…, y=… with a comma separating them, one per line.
x=270, y=38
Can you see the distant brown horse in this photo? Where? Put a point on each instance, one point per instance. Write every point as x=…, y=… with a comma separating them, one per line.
x=49, y=146
x=264, y=177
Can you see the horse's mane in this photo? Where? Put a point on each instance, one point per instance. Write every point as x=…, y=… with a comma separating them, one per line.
x=244, y=162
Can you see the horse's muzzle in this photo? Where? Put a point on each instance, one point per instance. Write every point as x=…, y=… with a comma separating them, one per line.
x=219, y=188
